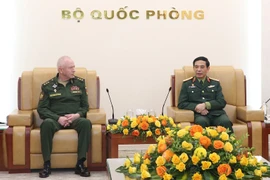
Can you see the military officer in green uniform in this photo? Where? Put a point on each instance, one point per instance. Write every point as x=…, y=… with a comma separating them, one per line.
x=204, y=96
x=63, y=104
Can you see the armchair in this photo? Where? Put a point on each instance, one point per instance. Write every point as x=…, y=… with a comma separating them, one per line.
x=245, y=119
x=23, y=134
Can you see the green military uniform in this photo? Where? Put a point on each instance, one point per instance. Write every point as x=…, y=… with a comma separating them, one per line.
x=210, y=92
x=58, y=100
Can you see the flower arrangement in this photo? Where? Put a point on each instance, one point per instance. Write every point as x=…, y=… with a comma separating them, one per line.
x=142, y=126
x=196, y=153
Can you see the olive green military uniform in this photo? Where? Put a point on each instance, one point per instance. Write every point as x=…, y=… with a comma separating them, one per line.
x=193, y=93
x=58, y=100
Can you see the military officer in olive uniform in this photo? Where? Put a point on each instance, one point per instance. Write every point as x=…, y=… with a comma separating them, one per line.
x=63, y=104
x=204, y=96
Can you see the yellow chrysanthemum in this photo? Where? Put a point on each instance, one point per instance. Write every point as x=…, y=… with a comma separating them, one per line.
x=258, y=172
x=137, y=158
x=157, y=123
x=160, y=161
x=125, y=131
x=228, y=147
x=182, y=132
x=214, y=157
x=133, y=124
x=197, y=176
x=224, y=136
x=239, y=174
x=175, y=159
x=184, y=157
x=149, y=133
x=200, y=152
x=132, y=170
x=244, y=161
x=222, y=177
x=233, y=160
x=167, y=176
x=181, y=167
x=145, y=174
x=206, y=165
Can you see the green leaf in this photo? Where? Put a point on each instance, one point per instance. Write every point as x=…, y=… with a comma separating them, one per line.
x=207, y=175
x=182, y=176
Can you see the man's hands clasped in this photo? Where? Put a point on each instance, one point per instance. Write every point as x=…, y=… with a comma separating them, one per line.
x=68, y=119
x=201, y=108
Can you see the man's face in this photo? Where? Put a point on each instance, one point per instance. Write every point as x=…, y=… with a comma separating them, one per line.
x=200, y=69
x=68, y=70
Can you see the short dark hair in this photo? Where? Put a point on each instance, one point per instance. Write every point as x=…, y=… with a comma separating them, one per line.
x=202, y=58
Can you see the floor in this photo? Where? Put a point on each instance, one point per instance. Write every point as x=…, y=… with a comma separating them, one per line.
x=68, y=174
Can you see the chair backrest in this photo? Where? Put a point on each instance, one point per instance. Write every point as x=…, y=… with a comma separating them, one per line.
x=29, y=86
x=232, y=82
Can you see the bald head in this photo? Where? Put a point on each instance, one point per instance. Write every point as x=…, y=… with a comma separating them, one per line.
x=66, y=68
x=63, y=61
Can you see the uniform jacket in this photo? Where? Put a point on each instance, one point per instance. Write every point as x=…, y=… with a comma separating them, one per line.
x=193, y=93
x=57, y=100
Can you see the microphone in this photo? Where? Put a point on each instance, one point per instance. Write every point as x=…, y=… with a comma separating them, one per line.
x=165, y=100
x=112, y=120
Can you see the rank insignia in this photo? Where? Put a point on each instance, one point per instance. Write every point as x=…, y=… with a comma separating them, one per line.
x=54, y=86
x=54, y=90
x=41, y=95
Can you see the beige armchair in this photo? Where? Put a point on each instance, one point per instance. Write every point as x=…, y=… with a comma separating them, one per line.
x=245, y=119
x=23, y=135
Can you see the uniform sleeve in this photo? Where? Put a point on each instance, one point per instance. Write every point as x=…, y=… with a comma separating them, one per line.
x=44, y=106
x=84, y=102
x=219, y=102
x=183, y=101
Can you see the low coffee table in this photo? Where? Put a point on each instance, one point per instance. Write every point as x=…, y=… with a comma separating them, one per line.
x=114, y=163
x=114, y=140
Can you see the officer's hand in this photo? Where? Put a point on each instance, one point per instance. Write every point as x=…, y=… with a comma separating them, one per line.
x=204, y=112
x=200, y=107
x=67, y=124
x=62, y=120
x=72, y=117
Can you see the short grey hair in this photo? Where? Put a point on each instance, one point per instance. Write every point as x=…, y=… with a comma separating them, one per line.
x=61, y=61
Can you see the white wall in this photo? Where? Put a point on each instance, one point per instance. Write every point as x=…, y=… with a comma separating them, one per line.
x=265, y=50
x=7, y=53
x=134, y=58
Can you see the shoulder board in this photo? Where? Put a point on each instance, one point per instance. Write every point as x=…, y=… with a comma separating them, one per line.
x=48, y=82
x=213, y=79
x=81, y=79
x=187, y=79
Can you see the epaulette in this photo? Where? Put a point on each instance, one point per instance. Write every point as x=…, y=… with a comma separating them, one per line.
x=187, y=79
x=47, y=82
x=213, y=79
x=81, y=79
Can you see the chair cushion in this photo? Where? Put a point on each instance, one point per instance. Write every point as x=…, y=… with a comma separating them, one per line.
x=64, y=141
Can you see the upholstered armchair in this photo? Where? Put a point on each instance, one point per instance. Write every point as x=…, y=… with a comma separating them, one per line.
x=245, y=119
x=23, y=135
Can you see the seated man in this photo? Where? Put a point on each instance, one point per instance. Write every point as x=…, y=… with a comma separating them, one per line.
x=63, y=104
x=204, y=96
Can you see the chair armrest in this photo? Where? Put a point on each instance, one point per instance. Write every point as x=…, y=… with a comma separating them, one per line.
x=20, y=118
x=96, y=116
x=180, y=115
x=247, y=113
